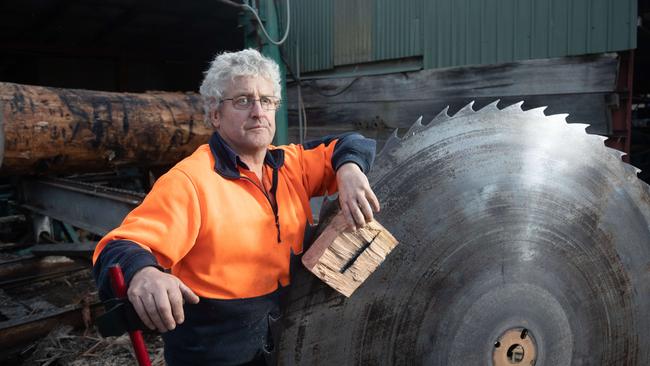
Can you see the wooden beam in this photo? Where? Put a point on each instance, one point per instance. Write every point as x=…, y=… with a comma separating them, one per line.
x=566, y=75
x=580, y=86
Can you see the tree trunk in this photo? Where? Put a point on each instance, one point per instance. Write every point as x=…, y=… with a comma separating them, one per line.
x=51, y=130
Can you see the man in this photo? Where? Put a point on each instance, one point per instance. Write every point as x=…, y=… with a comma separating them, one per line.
x=227, y=219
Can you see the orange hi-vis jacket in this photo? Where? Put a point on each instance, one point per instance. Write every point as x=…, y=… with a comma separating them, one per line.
x=219, y=229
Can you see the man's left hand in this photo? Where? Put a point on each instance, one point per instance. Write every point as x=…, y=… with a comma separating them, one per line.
x=356, y=198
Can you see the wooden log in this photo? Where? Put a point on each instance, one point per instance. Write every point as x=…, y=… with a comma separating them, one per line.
x=345, y=258
x=51, y=130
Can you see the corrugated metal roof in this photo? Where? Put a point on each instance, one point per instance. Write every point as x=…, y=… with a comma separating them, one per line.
x=457, y=32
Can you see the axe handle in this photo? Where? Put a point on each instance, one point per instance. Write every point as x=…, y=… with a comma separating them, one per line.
x=119, y=288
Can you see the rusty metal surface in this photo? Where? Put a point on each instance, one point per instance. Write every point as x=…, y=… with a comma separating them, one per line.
x=91, y=207
x=508, y=219
x=38, y=294
x=18, y=331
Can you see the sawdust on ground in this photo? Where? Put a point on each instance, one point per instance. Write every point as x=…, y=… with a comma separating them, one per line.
x=66, y=346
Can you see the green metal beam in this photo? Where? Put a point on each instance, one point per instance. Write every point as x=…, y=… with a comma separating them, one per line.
x=254, y=38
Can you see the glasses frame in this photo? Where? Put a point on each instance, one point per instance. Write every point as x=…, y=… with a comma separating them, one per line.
x=275, y=105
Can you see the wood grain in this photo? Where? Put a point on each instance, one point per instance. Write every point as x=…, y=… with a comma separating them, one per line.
x=345, y=258
x=579, y=86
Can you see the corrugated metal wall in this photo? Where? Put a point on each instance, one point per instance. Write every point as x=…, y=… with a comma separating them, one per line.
x=457, y=32
x=397, y=29
x=310, y=34
x=352, y=31
x=469, y=32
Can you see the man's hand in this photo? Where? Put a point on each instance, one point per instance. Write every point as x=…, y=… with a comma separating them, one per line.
x=356, y=198
x=158, y=298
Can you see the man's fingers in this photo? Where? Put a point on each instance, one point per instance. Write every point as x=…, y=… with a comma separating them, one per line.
x=152, y=311
x=176, y=302
x=357, y=215
x=347, y=215
x=164, y=308
x=370, y=195
x=142, y=312
x=366, y=210
x=188, y=295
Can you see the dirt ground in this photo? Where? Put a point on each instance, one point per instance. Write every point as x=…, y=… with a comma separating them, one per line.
x=65, y=346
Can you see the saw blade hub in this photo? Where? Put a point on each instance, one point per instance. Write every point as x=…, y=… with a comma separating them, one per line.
x=515, y=346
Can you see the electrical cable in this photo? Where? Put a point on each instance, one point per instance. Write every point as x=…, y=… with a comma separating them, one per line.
x=231, y=3
x=316, y=88
x=302, y=114
x=268, y=37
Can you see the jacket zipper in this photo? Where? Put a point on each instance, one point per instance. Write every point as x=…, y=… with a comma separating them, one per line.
x=274, y=207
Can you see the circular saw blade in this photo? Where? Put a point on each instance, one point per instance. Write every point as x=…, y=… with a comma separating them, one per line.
x=510, y=222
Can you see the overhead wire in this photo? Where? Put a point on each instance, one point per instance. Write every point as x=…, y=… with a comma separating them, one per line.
x=317, y=88
x=259, y=21
x=302, y=113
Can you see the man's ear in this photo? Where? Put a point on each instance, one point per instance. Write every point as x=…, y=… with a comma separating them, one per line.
x=215, y=120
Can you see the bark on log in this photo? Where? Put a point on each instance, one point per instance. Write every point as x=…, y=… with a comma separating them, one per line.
x=51, y=130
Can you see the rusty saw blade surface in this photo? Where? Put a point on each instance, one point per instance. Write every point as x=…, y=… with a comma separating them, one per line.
x=524, y=241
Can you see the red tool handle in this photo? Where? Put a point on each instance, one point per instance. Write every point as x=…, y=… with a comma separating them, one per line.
x=119, y=288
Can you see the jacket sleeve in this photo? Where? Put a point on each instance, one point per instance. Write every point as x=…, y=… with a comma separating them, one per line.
x=322, y=158
x=130, y=256
x=159, y=232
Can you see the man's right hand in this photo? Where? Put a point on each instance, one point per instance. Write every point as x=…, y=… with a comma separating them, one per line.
x=158, y=298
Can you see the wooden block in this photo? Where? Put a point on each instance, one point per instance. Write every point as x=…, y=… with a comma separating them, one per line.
x=344, y=258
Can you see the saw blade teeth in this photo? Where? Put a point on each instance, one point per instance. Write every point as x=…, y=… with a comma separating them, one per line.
x=492, y=107
x=563, y=116
x=631, y=170
x=442, y=116
x=416, y=127
x=538, y=111
x=392, y=142
x=516, y=106
x=466, y=110
x=579, y=126
x=618, y=154
x=600, y=137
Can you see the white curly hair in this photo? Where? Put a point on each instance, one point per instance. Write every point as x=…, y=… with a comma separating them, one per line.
x=227, y=66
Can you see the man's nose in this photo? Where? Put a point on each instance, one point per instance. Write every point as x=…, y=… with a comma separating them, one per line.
x=256, y=108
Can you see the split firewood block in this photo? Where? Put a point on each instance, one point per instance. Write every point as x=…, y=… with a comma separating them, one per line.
x=344, y=258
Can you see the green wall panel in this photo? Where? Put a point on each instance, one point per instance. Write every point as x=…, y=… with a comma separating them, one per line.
x=449, y=33
x=310, y=36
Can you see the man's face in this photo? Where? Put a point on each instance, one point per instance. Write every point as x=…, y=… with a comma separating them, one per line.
x=251, y=130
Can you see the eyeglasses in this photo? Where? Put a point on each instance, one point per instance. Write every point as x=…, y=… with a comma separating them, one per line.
x=245, y=102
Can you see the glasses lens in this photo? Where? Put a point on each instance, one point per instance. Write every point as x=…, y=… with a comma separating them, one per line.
x=245, y=102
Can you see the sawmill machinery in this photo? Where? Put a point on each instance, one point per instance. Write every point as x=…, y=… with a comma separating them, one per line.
x=523, y=241
x=103, y=143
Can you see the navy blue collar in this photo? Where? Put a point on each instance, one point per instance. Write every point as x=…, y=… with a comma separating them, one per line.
x=226, y=160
